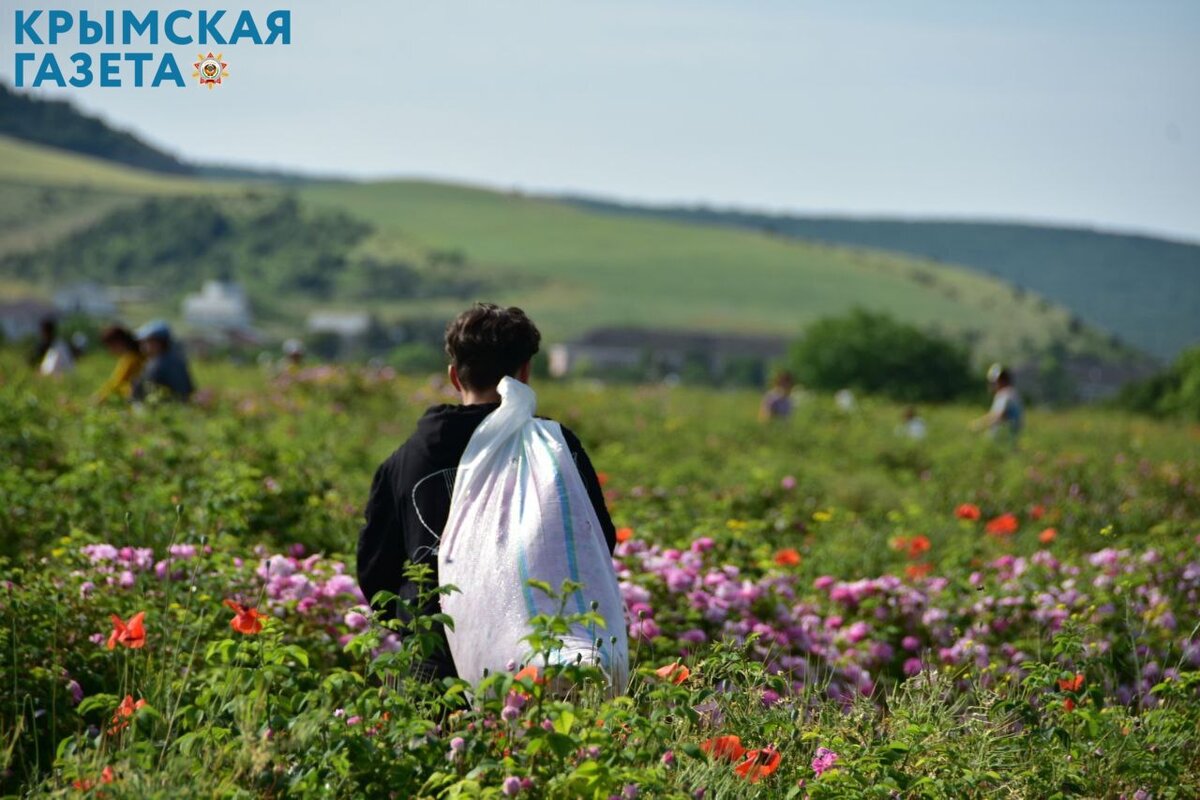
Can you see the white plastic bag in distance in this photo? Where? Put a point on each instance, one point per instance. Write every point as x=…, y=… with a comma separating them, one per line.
x=520, y=511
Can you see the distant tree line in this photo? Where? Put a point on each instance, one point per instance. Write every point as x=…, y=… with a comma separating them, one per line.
x=56, y=123
x=877, y=354
x=1175, y=392
x=268, y=242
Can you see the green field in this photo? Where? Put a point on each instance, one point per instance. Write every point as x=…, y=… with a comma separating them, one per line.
x=573, y=269
x=951, y=617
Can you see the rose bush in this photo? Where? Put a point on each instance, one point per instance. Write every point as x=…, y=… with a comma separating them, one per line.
x=816, y=609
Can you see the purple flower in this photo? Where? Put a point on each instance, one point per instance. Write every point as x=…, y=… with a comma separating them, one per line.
x=76, y=691
x=182, y=551
x=355, y=619
x=276, y=566
x=458, y=744
x=86, y=589
x=126, y=579
x=644, y=629
x=509, y=713
x=339, y=585
x=824, y=760
x=100, y=552
x=511, y=786
x=668, y=758
x=630, y=792
x=788, y=482
x=857, y=632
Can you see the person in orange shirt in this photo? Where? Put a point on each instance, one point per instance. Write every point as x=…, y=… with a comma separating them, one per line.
x=122, y=344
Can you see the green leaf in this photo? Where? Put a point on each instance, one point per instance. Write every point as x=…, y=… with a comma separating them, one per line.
x=562, y=746
x=564, y=722
x=104, y=702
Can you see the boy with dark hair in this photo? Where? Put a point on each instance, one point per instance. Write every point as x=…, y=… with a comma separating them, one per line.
x=410, y=495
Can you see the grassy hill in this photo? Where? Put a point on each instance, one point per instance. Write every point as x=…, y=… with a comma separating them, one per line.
x=57, y=123
x=596, y=268
x=46, y=193
x=1143, y=289
x=571, y=267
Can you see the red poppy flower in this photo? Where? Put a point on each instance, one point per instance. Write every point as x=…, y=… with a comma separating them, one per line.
x=1003, y=525
x=84, y=785
x=624, y=534
x=912, y=546
x=246, y=620
x=1037, y=512
x=1069, y=704
x=1071, y=684
x=120, y=719
x=967, y=511
x=1047, y=536
x=788, y=557
x=131, y=634
x=759, y=764
x=676, y=673
x=530, y=672
x=918, y=545
x=727, y=748
x=915, y=571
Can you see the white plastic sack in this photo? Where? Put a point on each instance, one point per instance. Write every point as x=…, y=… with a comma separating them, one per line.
x=58, y=360
x=520, y=511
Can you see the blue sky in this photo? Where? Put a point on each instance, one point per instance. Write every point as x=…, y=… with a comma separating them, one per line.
x=1080, y=111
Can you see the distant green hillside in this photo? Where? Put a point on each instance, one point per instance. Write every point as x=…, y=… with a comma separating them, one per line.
x=71, y=217
x=601, y=269
x=585, y=269
x=57, y=123
x=1143, y=289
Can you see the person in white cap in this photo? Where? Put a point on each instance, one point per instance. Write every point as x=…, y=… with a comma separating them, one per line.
x=53, y=356
x=1007, y=414
x=293, y=353
x=166, y=371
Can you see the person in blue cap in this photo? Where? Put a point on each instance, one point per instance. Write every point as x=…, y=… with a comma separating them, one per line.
x=166, y=371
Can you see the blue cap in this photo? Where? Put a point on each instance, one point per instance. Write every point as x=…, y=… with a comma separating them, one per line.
x=155, y=329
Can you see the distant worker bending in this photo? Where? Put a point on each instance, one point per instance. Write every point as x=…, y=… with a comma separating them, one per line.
x=124, y=345
x=166, y=371
x=1007, y=414
x=777, y=402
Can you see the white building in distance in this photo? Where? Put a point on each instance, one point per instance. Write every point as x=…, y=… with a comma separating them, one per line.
x=88, y=299
x=219, y=305
x=346, y=324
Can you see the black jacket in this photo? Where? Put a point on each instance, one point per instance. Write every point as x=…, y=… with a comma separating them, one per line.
x=410, y=502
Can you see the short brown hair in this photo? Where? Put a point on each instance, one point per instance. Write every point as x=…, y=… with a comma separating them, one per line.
x=116, y=334
x=487, y=342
